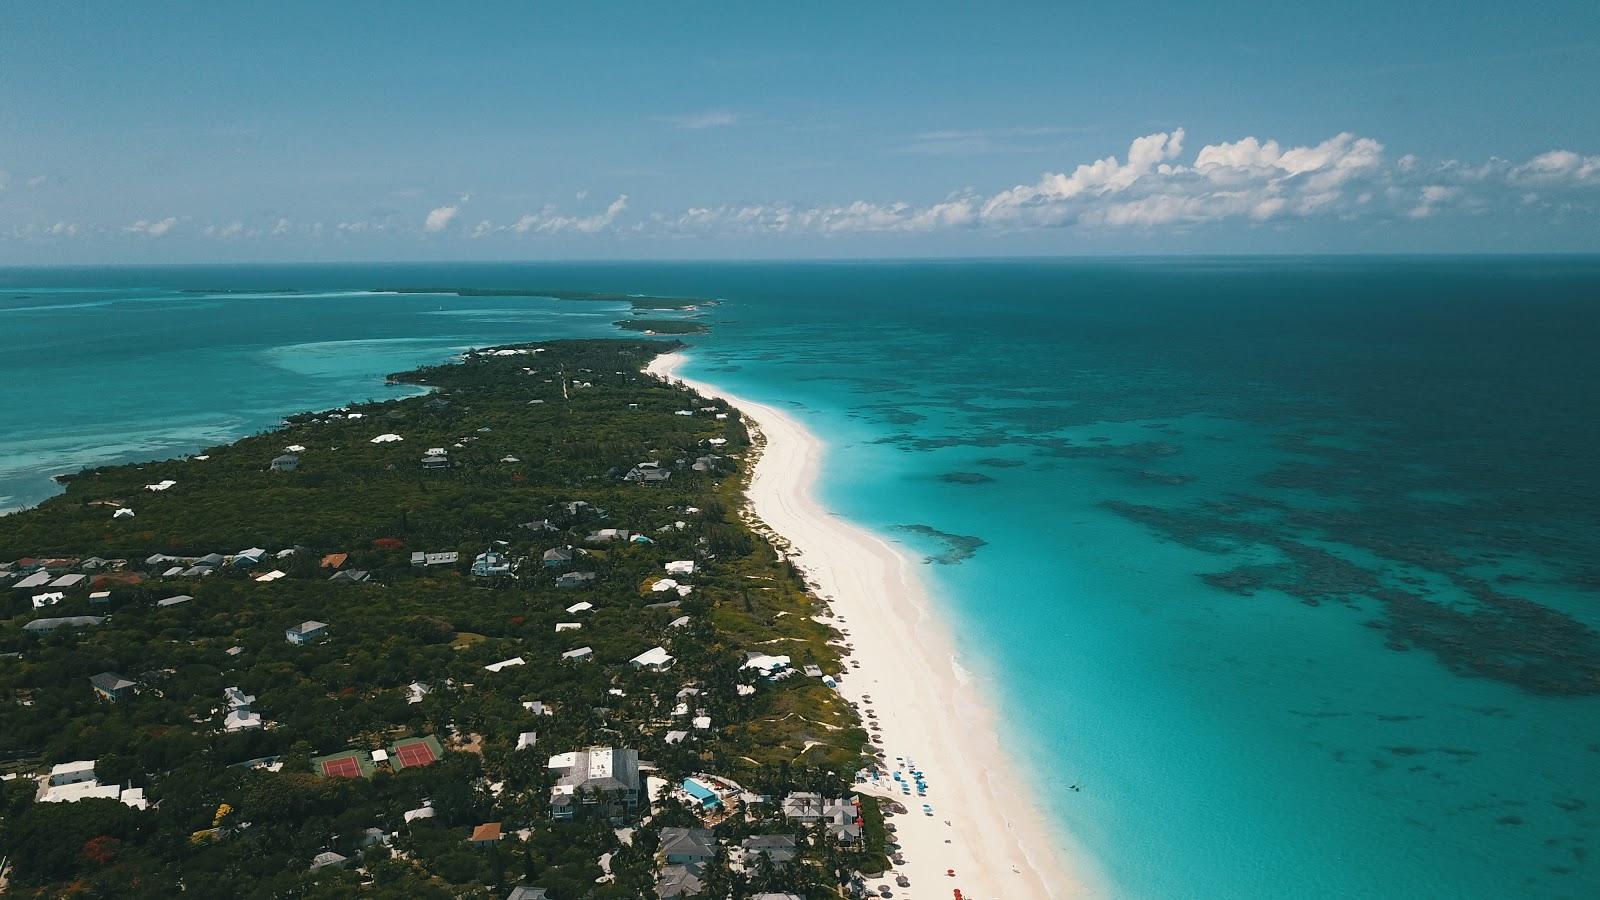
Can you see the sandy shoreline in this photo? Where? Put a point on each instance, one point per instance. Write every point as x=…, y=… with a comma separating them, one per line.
x=984, y=825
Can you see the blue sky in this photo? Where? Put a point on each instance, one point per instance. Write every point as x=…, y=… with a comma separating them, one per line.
x=218, y=131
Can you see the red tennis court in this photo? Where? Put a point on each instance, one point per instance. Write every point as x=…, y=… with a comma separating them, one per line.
x=341, y=768
x=416, y=753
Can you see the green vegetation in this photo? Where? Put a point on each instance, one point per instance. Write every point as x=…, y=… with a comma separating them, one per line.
x=663, y=326
x=539, y=439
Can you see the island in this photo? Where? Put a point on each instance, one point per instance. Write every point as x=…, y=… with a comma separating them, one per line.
x=513, y=636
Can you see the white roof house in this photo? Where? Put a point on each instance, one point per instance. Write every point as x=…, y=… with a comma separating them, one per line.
x=160, y=485
x=679, y=622
x=506, y=664
x=681, y=567
x=581, y=653
x=594, y=772
x=656, y=659
x=424, y=811
x=768, y=666
x=305, y=632
x=72, y=772
x=387, y=439
x=663, y=585
x=49, y=598
x=701, y=722
x=584, y=606
x=237, y=699
x=274, y=575
x=568, y=626
x=36, y=580
x=124, y=513
x=527, y=739
x=416, y=690
x=379, y=756
x=241, y=719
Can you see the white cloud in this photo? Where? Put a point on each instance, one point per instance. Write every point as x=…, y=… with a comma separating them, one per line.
x=1558, y=165
x=716, y=118
x=231, y=230
x=1432, y=197
x=63, y=229
x=152, y=227
x=440, y=217
x=1248, y=180
x=550, y=221
x=38, y=180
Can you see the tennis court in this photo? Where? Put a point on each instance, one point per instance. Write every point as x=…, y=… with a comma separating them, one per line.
x=345, y=764
x=346, y=767
x=413, y=752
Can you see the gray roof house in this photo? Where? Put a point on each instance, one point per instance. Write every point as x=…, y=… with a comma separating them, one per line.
x=838, y=815
x=680, y=881
x=556, y=557
x=40, y=626
x=603, y=777
x=525, y=892
x=285, y=463
x=574, y=579
x=112, y=687
x=688, y=845
x=779, y=848
x=327, y=859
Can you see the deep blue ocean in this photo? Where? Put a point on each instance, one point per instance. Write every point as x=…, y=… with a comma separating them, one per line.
x=1292, y=565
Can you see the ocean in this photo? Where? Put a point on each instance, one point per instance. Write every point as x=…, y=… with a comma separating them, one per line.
x=1290, y=565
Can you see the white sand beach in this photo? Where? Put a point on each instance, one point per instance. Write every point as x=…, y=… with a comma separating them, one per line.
x=984, y=824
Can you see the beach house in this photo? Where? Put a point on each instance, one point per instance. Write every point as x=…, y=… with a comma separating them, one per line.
x=604, y=780
x=839, y=816
x=688, y=845
x=656, y=659
x=647, y=473
x=41, y=626
x=306, y=632
x=111, y=687
x=557, y=557
x=489, y=564
x=779, y=849
x=574, y=579
x=288, y=462
x=680, y=881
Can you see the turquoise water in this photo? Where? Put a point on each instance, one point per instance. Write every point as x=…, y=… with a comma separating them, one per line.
x=1292, y=565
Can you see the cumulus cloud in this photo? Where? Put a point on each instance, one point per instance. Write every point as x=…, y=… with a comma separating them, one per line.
x=439, y=218
x=551, y=221
x=152, y=227
x=1557, y=166
x=1249, y=180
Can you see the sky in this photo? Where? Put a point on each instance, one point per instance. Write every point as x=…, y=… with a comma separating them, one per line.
x=209, y=132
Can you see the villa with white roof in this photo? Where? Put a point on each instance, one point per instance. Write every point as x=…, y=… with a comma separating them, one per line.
x=604, y=778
